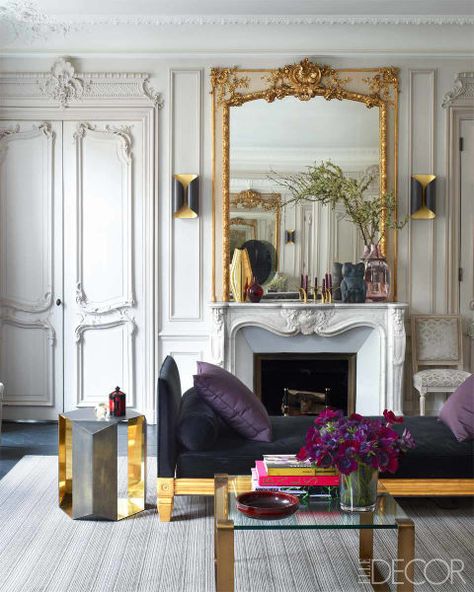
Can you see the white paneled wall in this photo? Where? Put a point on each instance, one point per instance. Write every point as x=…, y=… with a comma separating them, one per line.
x=184, y=246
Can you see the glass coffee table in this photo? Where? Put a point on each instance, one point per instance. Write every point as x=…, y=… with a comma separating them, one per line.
x=320, y=514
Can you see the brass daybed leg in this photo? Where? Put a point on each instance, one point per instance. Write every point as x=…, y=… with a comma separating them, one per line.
x=165, y=498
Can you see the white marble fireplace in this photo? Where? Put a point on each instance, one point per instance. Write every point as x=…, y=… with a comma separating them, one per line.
x=375, y=332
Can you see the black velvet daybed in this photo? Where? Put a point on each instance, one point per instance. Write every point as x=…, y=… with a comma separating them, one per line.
x=439, y=465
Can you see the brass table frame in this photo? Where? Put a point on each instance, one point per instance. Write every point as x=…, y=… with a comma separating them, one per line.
x=224, y=544
x=88, y=472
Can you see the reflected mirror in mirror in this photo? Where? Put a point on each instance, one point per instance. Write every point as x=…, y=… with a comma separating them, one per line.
x=284, y=137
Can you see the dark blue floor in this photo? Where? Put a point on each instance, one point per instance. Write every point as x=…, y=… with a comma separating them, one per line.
x=20, y=439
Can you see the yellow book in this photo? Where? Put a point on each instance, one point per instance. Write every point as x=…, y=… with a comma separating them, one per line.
x=310, y=471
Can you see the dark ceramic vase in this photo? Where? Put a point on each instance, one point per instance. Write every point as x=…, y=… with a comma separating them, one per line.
x=254, y=291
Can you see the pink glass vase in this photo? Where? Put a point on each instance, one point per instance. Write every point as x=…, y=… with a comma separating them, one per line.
x=377, y=276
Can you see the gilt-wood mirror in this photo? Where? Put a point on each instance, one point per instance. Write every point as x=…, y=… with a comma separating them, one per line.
x=268, y=123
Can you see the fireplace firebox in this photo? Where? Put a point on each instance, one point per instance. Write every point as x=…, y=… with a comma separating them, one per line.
x=303, y=384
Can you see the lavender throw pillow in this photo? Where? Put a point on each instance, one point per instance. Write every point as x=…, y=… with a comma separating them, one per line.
x=458, y=411
x=233, y=401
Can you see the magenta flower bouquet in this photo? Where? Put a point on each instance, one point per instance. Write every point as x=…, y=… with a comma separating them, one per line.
x=358, y=447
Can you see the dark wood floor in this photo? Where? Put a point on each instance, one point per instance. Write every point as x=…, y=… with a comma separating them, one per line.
x=21, y=439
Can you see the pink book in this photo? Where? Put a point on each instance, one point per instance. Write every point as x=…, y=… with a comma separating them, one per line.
x=306, y=480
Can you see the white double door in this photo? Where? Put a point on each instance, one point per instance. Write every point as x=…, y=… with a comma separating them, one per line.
x=73, y=259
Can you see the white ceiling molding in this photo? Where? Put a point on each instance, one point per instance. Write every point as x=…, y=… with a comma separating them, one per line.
x=463, y=89
x=64, y=87
x=238, y=20
x=28, y=22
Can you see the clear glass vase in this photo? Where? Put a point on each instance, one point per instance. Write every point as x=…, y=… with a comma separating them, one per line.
x=358, y=490
x=377, y=276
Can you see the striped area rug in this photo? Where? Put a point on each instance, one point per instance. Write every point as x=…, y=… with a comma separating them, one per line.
x=42, y=550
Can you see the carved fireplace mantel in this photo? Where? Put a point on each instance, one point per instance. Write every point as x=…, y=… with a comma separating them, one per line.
x=289, y=319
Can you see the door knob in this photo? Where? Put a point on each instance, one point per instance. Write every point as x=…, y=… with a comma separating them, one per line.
x=58, y=302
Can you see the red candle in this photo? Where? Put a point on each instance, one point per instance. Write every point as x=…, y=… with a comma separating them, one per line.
x=330, y=280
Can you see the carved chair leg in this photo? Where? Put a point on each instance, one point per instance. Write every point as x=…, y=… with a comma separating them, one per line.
x=165, y=501
x=422, y=402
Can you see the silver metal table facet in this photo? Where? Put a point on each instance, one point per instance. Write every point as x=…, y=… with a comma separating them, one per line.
x=88, y=465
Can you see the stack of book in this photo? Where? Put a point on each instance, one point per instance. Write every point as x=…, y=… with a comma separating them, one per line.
x=284, y=472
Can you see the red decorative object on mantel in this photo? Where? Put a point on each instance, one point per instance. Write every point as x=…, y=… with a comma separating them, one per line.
x=117, y=403
x=254, y=291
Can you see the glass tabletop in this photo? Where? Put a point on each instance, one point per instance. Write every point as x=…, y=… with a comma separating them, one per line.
x=321, y=513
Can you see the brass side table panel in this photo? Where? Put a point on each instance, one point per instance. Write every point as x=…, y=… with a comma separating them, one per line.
x=88, y=465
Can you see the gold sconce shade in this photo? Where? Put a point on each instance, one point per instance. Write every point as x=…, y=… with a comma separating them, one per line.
x=290, y=236
x=185, y=195
x=423, y=197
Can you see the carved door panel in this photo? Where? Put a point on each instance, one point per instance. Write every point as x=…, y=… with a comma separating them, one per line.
x=103, y=260
x=31, y=346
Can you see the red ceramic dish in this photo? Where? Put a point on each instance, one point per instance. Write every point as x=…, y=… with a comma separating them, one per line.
x=267, y=505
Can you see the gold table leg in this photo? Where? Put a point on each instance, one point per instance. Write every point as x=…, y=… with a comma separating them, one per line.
x=406, y=554
x=223, y=536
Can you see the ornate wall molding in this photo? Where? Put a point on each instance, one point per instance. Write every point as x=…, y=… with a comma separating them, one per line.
x=123, y=138
x=26, y=18
x=64, y=87
x=48, y=386
x=463, y=90
x=44, y=300
x=290, y=320
x=91, y=323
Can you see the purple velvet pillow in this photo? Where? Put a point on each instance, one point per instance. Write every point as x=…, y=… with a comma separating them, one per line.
x=233, y=401
x=458, y=411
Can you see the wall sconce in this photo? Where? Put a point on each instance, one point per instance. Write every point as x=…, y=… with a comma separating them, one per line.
x=185, y=195
x=423, y=197
x=290, y=236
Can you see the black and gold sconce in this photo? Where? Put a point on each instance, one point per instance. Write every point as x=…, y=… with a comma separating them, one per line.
x=185, y=195
x=423, y=197
x=290, y=236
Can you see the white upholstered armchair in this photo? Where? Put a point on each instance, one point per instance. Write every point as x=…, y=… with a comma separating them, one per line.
x=436, y=341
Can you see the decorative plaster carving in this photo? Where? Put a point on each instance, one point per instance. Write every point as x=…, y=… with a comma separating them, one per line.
x=150, y=91
x=218, y=336
x=290, y=320
x=67, y=87
x=463, y=89
x=33, y=324
x=8, y=131
x=63, y=85
x=307, y=321
x=27, y=17
x=94, y=322
x=29, y=22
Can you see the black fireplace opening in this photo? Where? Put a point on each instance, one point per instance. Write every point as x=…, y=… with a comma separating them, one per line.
x=304, y=384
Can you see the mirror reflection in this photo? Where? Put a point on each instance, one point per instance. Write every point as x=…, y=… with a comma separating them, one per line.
x=284, y=137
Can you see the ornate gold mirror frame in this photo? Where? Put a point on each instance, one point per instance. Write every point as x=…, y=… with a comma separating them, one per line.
x=233, y=87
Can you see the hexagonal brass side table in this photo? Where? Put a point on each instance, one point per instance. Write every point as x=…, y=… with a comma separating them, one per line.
x=88, y=466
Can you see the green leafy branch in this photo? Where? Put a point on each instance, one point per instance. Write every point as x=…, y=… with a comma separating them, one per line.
x=327, y=184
